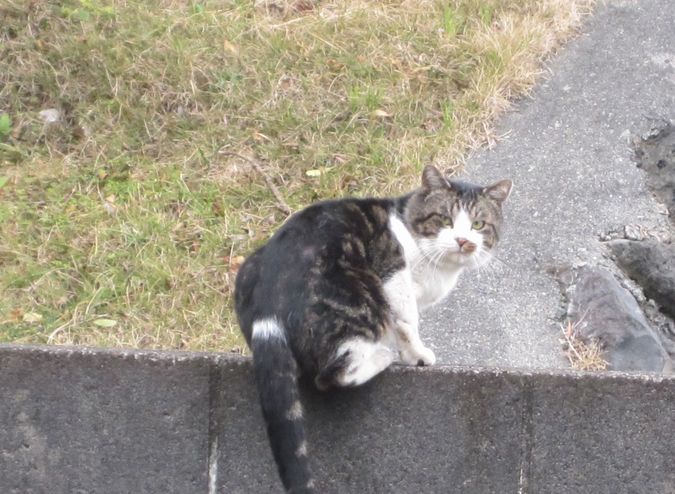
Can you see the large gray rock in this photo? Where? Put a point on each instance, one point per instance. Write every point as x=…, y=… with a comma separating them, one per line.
x=652, y=265
x=604, y=310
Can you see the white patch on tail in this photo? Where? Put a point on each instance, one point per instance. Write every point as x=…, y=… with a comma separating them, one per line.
x=302, y=449
x=295, y=412
x=266, y=329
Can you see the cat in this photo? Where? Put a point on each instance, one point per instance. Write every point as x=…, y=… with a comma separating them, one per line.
x=335, y=294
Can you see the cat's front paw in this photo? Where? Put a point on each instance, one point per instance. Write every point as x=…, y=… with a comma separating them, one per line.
x=427, y=357
x=421, y=356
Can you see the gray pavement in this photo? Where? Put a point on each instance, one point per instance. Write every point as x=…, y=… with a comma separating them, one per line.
x=568, y=152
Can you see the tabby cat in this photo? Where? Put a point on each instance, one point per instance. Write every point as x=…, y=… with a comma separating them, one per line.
x=335, y=294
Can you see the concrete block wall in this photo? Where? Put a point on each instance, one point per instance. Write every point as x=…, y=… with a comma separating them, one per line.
x=89, y=421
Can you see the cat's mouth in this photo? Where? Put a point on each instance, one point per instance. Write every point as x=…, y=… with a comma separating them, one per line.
x=468, y=248
x=458, y=256
x=456, y=253
x=469, y=255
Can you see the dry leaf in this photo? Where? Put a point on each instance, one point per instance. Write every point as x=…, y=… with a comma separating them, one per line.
x=380, y=114
x=303, y=6
x=258, y=136
x=236, y=262
x=105, y=323
x=32, y=317
x=50, y=115
x=228, y=46
x=110, y=208
x=16, y=314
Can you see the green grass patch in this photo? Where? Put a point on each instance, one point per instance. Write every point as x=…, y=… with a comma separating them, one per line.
x=125, y=205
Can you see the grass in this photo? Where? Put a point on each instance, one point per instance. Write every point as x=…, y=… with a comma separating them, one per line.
x=582, y=353
x=122, y=222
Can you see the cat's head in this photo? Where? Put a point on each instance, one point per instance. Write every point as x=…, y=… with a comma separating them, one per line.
x=453, y=222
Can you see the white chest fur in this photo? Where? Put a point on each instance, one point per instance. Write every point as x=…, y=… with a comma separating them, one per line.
x=432, y=285
x=431, y=282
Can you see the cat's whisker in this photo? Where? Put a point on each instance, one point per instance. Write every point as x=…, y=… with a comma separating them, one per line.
x=437, y=258
x=482, y=261
x=431, y=264
x=500, y=261
x=434, y=257
x=431, y=258
x=424, y=262
x=494, y=267
x=426, y=258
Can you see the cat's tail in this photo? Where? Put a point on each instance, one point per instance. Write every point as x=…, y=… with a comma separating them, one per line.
x=276, y=375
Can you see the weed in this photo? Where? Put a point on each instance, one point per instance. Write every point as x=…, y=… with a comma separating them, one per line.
x=582, y=353
x=5, y=125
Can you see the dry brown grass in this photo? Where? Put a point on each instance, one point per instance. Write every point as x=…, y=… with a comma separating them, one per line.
x=124, y=223
x=582, y=353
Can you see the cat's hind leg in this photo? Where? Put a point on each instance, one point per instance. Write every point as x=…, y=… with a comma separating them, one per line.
x=356, y=361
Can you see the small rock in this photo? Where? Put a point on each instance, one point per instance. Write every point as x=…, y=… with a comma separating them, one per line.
x=652, y=265
x=633, y=232
x=562, y=272
x=110, y=208
x=50, y=116
x=603, y=310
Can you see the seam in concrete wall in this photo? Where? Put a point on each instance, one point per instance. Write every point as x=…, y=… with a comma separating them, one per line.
x=215, y=427
x=527, y=438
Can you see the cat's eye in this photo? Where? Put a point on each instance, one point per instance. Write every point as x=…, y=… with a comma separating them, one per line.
x=478, y=225
x=446, y=221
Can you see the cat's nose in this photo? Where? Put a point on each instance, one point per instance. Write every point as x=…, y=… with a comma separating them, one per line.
x=461, y=242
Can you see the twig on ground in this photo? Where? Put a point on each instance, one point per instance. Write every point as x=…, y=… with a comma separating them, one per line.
x=281, y=203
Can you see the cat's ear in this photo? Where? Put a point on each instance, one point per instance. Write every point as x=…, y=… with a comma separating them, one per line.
x=499, y=191
x=433, y=179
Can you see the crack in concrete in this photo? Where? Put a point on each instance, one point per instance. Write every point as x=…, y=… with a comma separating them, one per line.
x=214, y=427
x=213, y=466
x=527, y=438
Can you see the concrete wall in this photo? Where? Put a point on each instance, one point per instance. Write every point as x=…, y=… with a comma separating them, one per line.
x=97, y=421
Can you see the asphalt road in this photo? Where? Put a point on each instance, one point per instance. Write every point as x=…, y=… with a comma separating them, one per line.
x=567, y=150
